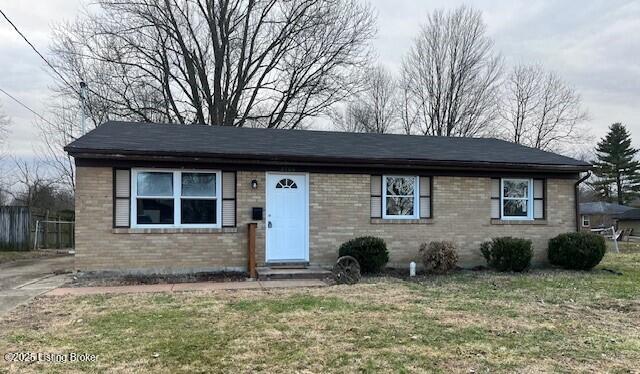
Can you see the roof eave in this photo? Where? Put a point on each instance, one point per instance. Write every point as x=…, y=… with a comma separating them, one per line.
x=324, y=161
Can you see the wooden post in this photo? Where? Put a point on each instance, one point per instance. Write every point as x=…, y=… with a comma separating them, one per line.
x=45, y=232
x=35, y=237
x=59, y=233
x=251, y=253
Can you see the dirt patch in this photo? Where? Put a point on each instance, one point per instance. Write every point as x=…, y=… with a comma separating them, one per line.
x=11, y=256
x=111, y=279
x=421, y=275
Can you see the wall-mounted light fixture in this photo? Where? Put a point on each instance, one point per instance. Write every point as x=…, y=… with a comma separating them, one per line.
x=254, y=184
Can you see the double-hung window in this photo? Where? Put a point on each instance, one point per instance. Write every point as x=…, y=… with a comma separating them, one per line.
x=168, y=198
x=400, y=197
x=517, y=199
x=198, y=203
x=155, y=203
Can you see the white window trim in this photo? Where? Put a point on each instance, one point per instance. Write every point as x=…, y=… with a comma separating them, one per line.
x=177, y=192
x=416, y=197
x=586, y=220
x=529, y=216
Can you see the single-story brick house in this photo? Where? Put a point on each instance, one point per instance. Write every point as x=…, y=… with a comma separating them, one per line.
x=179, y=198
x=629, y=220
x=599, y=214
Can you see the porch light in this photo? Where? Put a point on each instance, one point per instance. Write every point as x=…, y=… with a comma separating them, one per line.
x=254, y=184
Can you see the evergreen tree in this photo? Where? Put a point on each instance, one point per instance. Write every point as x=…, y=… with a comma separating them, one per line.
x=616, y=168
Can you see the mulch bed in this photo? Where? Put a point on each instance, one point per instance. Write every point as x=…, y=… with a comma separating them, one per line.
x=403, y=273
x=108, y=279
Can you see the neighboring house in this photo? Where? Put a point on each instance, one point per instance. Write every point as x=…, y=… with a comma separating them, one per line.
x=630, y=220
x=598, y=215
x=634, y=203
x=177, y=198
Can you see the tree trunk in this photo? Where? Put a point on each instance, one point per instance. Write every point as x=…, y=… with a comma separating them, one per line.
x=619, y=185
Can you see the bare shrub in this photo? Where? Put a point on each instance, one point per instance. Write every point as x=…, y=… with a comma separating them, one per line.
x=439, y=257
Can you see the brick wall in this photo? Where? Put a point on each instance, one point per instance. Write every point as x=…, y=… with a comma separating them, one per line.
x=100, y=247
x=461, y=210
x=339, y=210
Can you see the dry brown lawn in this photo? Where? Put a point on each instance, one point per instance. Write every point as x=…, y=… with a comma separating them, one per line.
x=541, y=321
x=9, y=256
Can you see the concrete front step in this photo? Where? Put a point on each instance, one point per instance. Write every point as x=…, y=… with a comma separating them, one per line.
x=268, y=273
x=288, y=265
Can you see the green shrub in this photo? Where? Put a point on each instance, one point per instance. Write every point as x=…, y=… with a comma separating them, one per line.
x=439, y=257
x=371, y=253
x=507, y=253
x=577, y=250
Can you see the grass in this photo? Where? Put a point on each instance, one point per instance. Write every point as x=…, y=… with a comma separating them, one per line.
x=542, y=321
x=9, y=256
x=624, y=246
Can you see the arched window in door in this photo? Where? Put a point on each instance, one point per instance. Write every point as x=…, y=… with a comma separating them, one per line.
x=286, y=183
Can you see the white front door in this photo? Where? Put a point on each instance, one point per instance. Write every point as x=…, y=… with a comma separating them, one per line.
x=287, y=218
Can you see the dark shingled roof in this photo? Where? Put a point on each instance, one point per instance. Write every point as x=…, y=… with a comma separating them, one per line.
x=124, y=138
x=630, y=215
x=600, y=207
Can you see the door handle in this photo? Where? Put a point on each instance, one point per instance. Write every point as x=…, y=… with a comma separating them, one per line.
x=269, y=224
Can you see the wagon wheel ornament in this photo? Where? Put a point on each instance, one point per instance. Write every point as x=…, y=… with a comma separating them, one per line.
x=346, y=270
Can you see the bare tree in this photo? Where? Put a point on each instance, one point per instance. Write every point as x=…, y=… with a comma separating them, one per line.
x=407, y=106
x=539, y=109
x=347, y=118
x=379, y=100
x=5, y=122
x=374, y=109
x=519, y=101
x=63, y=127
x=268, y=63
x=451, y=76
x=33, y=186
x=5, y=197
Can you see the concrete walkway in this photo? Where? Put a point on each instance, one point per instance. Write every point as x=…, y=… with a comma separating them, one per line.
x=178, y=287
x=22, y=280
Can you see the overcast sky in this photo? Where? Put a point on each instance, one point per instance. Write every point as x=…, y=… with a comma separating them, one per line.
x=594, y=45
